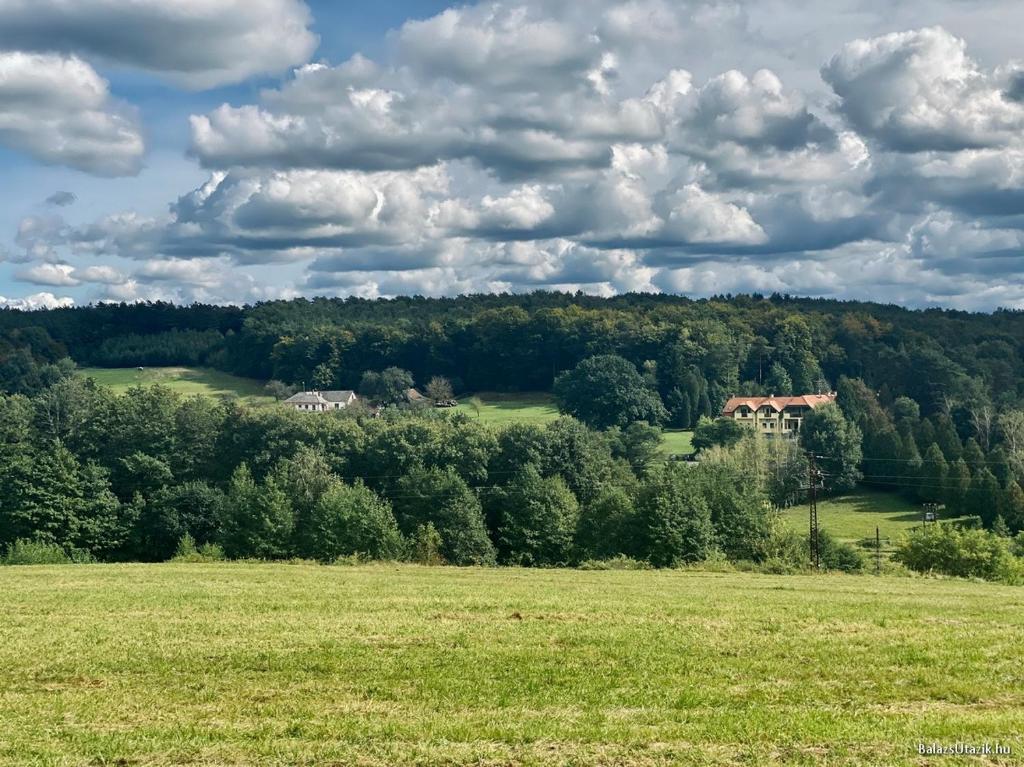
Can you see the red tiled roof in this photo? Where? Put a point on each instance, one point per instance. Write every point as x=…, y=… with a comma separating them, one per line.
x=778, y=404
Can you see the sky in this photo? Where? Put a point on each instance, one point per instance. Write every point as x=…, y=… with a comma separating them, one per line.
x=233, y=151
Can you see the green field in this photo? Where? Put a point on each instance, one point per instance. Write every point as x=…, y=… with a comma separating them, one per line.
x=677, y=442
x=500, y=407
x=393, y=665
x=854, y=517
x=539, y=407
x=188, y=381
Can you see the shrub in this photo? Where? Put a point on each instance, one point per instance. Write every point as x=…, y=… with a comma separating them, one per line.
x=26, y=552
x=426, y=546
x=187, y=551
x=967, y=553
x=620, y=562
x=836, y=555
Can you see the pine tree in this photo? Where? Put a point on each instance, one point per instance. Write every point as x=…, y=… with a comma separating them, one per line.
x=958, y=485
x=947, y=438
x=1011, y=508
x=974, y=456
x=909, y=464
x=983, y=500
x=932, y=488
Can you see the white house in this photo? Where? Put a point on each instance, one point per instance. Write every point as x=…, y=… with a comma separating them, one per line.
x=321, y=401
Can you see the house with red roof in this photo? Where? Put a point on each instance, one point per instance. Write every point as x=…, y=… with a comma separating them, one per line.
x=774, y=415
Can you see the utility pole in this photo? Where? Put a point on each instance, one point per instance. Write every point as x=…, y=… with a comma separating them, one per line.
x=813, y=475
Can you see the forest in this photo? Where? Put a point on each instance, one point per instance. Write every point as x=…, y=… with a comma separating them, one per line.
x=927, y=406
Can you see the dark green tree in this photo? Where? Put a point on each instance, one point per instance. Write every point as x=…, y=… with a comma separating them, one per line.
x=933, y=487
x=724, y=432
x=442, y=498
x=607, y=390
x=607, y=525
x=673, y=518
x=537, y=519
x=258, y=519
x=352, y=519
x=826, y=433
x=388, y=387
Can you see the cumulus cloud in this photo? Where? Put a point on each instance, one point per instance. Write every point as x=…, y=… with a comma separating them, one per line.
x=37, y=301
x=917, y=91
x=196, y=43
x=604, y=147
x=58, y=110
x=61, y=275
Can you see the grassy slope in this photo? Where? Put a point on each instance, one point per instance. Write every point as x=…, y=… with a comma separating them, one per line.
x=498, y=407
x=185, y=380
x=296, y=664
x=539, y=407
x=855, y=516
x=677, y=441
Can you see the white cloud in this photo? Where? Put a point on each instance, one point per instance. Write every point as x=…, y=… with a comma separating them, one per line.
x=37, y=301
x=58, y=110
x=603, y=146
x=698, y=217
x=196, y=43
x=919, y=90
x=58, y=275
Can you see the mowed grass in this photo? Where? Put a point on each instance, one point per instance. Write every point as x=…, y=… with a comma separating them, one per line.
x=187, y=381
x=540, y=408
x=854, y=516
x=502, y=407
x=254, y=664
x=677, y=442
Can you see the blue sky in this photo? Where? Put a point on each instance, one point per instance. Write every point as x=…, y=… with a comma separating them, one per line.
x=241, y=150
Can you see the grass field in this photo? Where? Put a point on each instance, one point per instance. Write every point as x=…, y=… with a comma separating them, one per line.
x=539, y=407
x=188, y=381
x=392, y=665
x=677, y=441
x=500, y=407
x=854, y=517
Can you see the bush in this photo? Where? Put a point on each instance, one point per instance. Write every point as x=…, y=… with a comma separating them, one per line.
x=187, y=551
x=25, y=552
x=426, y=546
x=620, y=562
x=836, y=555
x=967, y=553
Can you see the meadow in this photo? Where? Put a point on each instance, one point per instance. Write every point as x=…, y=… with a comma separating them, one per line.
x=185, y=380
x=275, y=664
x=854, y=516
x=509, y=407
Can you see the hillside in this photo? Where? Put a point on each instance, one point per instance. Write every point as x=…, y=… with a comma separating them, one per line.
x=184, y=380
x=297, y=664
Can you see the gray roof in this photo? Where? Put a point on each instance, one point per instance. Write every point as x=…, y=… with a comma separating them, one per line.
x=320, y=397
x=305, y=398
x=341, y=395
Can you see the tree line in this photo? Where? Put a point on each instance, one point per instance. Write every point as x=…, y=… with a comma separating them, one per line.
x=695, y=352
x=130, y=476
